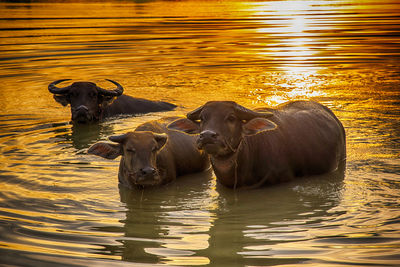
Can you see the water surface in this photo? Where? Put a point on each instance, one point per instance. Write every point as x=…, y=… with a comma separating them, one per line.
x=60, y=206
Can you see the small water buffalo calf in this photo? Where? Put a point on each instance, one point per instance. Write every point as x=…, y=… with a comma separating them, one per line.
x=90, y=103
x=153, y=155
x=299, y=138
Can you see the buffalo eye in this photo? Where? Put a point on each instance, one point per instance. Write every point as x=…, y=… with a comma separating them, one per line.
x=231, y=118
x=74, y=94
x=131, y=150
x=202, y=118
x=92, y=94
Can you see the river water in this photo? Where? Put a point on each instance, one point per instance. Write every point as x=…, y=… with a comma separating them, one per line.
x=60, y=206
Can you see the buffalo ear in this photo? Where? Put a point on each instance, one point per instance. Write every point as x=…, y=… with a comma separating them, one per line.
x=161, y=140
x=62, y=99
x=258, y=125
x=106, y=150
x=184, y=125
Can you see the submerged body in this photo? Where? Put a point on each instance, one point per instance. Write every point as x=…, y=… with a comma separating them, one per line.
x=152, y=154
x=299, y=138
x=90, y=103
x=129, y=105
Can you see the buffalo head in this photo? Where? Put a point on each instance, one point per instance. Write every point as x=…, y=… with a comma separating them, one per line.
x=139, y=156
x=87, y=100
x=221, y=126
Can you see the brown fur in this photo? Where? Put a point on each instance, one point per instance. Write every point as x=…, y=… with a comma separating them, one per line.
x=153, y=147
x=298, y=139
x=88, y=104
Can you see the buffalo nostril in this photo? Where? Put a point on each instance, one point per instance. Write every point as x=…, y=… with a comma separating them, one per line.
x=208, y=134
x=82, y=107
x=147, y=171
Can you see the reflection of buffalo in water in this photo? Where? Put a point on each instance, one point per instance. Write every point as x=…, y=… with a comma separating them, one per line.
x=193, y=219
x=90, y=103
x=299, y=138
x=156, y=220
x=152, y=154
x=82, y=135
x=252, y=227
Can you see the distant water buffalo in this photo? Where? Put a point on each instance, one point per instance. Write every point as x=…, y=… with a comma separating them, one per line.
x=299, y=138
x=152, y=154
x=90, y=103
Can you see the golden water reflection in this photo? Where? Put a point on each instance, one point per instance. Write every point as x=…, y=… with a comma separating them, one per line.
x=56, y=200
x=294, y=24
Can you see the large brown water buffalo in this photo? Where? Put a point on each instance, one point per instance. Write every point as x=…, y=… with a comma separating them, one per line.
x=246, y=149
x=90, y=103
x=152, y=154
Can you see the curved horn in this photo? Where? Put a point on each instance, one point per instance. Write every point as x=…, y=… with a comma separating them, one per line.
x=118, y=138
x=248, y=114
x=195, y=114
x=60, y=91
x=115, y=92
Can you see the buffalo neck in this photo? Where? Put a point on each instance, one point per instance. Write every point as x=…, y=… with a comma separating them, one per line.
x=227, y=169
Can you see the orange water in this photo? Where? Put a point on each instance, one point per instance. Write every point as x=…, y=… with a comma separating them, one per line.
x=60, y=206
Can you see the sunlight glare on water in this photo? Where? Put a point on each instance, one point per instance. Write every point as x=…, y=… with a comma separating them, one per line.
x=60, y=206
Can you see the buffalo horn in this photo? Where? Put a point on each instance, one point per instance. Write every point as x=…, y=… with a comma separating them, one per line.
x=195, y=114
x=60, y=91
x=116, y=92
x=248, y=114
x=118, y=138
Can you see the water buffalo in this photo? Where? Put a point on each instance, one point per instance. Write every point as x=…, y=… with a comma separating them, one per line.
x=90, y=103
x=246, y=149
x=152, y=154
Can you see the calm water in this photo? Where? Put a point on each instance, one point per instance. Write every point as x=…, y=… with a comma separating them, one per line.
x=62, y=207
